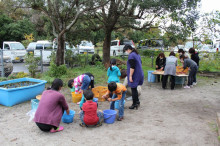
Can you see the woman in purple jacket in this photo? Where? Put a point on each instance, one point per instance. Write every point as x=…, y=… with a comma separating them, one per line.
x=51, y=108
x=135, y=73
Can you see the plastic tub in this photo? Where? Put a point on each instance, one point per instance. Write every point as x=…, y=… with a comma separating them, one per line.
x=109, y=116
x=76, y=97
x=34, y=104
x=95, y=100
x=151, y=77
x=99, y=91
x=117, y=104
x=68, y=118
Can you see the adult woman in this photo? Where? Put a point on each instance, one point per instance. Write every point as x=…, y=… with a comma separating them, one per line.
x=51, y=108
x=170, y=69
x=135, y=73
x=160, y=64
x=192, y=70
x=194, y=57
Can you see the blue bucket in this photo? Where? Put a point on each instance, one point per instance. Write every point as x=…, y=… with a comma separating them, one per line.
x=34, y=104
x=117, y=104
x=151, y=77
x=109, y=116
x=68, y=118
x=95, y=100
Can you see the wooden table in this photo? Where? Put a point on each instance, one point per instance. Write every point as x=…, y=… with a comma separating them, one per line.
x=179, y=79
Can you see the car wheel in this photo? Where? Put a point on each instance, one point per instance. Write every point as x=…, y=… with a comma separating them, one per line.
x=114, y=53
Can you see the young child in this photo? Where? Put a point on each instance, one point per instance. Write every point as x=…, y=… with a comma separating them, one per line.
x=192, y=70
x=80, y=83
x=113, y=72
x=89, y=115
x=50, y=109
x=119, y=91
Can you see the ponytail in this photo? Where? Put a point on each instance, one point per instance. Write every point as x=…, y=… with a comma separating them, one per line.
x=112, y=62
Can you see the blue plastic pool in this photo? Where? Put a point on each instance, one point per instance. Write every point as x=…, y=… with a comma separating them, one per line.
x=11, y=96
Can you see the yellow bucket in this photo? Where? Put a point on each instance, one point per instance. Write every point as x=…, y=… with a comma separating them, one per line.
x=76, y=97
x=99, y=92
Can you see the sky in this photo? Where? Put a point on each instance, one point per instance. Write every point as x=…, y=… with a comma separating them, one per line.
x=209, y=5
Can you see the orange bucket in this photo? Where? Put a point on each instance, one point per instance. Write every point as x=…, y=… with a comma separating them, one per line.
x=76, y=97
x=99, y=92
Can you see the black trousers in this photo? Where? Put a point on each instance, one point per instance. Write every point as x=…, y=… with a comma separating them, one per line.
x=172, y=79
x=192, y=75
x=45, y=127
x=135, y=98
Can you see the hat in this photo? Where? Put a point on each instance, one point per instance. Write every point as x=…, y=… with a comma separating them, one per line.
x=86, y=82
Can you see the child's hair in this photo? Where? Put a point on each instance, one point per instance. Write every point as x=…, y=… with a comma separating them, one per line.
x=172, y=54
x=192, y=51
x=112, y=62
x=88, y=94
x=112, y=86
x=161, y=55
x=56, y=84
x=70, y=83
x=123, y=73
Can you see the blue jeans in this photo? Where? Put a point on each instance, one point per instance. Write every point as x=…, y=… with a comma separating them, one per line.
x=99, y=114
x=121, y=104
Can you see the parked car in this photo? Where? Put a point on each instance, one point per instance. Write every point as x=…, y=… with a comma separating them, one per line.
x=15, y=50
x=31, y=46
x=86, y=46
x=190, y=44
x=151, y=44
x=8, y=66
x=207, y=48
x=116, y=48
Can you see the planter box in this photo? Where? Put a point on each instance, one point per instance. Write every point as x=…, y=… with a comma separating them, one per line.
x=15, y=95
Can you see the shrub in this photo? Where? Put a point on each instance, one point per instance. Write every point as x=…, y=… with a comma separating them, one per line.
x=32, y=63
x=150, y=53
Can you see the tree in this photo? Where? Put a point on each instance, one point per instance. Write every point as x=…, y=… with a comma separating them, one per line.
x=122, y=14
x=63, y=15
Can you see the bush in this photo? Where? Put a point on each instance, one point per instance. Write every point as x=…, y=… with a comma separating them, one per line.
x=150, y=53
x=17, y=75
x=32, y=63
x=57, y=71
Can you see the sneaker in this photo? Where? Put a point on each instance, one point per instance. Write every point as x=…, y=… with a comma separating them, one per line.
x=194, y=83
x=186, y=87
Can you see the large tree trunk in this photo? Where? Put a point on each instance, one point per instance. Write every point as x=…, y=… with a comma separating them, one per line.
x=106, y=48
x=60, y=50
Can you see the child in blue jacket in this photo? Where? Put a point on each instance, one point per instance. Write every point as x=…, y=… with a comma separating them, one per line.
x=113, y=72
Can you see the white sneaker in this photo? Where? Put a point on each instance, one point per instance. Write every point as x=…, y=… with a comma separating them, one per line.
x=194, y=83
x=186, y=87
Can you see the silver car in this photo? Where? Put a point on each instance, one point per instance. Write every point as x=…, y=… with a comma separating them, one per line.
x=8, y=66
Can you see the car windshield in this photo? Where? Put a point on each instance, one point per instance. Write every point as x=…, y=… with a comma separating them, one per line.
x=17, y=46
x=114, y=43
x=126, y=42
x=31, y=45
x=87, y=44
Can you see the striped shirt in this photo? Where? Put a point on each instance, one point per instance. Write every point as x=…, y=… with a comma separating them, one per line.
x=78, y=83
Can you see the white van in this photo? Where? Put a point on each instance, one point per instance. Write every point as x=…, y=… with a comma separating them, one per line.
x=216, y=46
x=86, y=46
x=15, y=50
x=116, y=48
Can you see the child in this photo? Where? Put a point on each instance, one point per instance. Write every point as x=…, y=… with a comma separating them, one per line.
x=194, y=57
x=89, y=115
x=119, y=92
x=160, y=64
x=50, y=109
x=113, y=72
x=80, y=83
x=192, y=70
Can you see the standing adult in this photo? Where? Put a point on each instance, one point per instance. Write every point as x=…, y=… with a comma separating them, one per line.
x=194, y=57
x=170, y=69
x=135, y=73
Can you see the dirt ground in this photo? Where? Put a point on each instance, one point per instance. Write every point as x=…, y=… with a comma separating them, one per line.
x=165, y=117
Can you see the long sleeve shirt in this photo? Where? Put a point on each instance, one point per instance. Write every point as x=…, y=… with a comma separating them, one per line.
x=50, y=108
x=78, y=82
